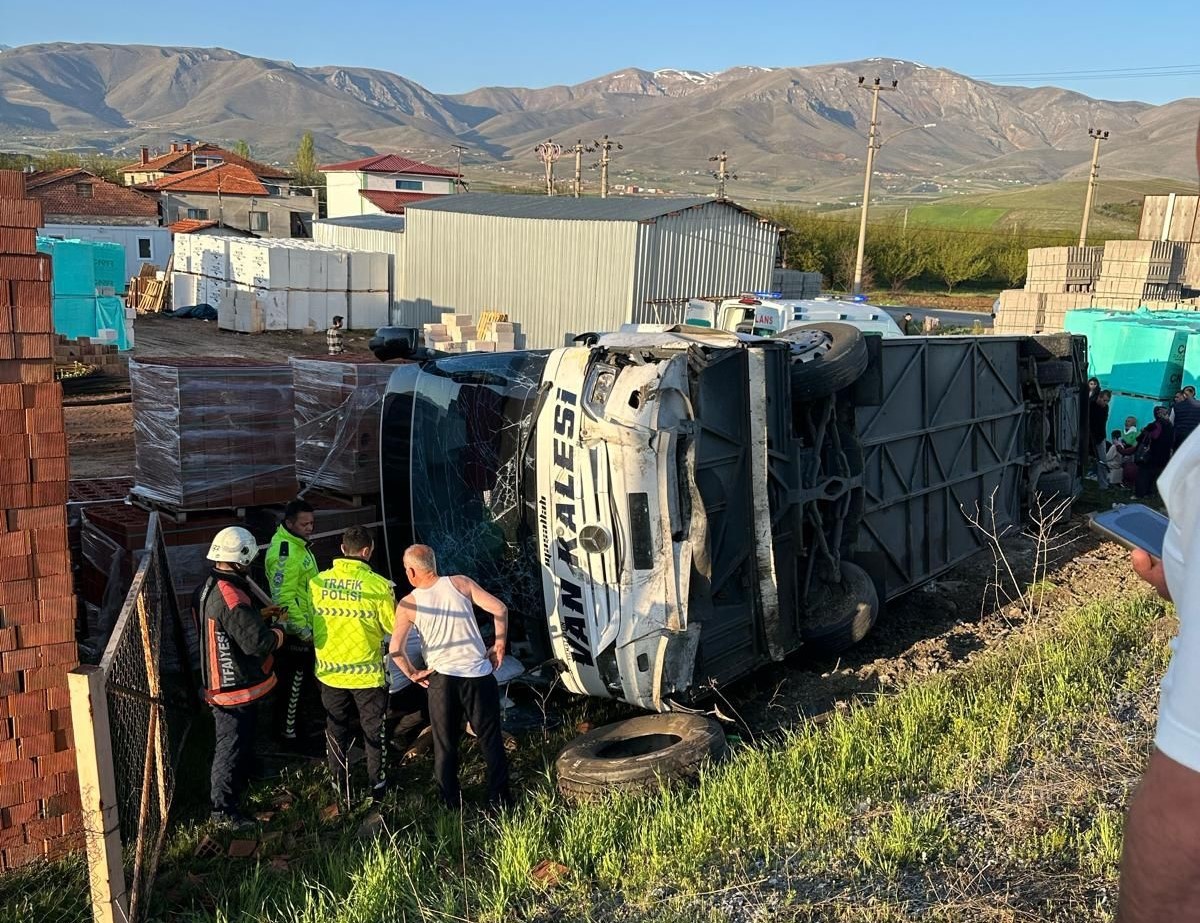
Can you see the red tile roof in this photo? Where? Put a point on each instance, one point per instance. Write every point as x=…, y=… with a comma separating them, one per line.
x=191, y=225
x=388, y=163
x=181, y=162
x=59, y=194
x=393, y=202
x=226, y=178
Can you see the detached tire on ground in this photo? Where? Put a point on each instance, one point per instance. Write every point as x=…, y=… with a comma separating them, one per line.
x=830, y=366
x=1055, y=372
x=840, y=615
x=638, y=754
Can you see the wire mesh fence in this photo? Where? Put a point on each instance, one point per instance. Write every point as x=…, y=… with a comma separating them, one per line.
x=146, y=688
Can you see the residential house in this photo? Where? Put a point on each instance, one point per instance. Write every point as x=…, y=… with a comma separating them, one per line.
x=206, y=228
x=183, y=157
x=383, y=185
x=234, y=197
x=79, y=205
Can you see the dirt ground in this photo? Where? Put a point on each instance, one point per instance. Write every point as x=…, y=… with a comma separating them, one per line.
x=101, y=434
x=937, y=628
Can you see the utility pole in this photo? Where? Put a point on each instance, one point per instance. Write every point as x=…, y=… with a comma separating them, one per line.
x=459, y=150
x=548, y=153
x=579, y=150
x=872, y=146
x=605, y=146
x=721, y=174
x=1097, y=136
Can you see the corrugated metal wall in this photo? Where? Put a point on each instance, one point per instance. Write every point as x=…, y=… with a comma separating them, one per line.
x=711, y=250
x=554, y=278
x=390, y=242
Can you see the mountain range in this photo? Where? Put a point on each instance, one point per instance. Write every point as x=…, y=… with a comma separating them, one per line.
x=790, y=132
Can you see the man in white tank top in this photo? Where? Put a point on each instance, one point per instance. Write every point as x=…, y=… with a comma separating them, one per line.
x=458, y=670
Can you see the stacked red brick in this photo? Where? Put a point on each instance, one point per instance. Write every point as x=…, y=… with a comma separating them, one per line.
x=39, y=786
x=338, y=405
x=212, y=433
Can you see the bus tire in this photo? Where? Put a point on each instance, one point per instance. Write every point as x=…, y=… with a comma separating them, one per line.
x=831, y=369
x=638, y=754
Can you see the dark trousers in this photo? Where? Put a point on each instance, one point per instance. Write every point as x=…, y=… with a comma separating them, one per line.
x=451, y=698
x=233, y=755
x=294, y=667
x=1147, y=480
x=408, y=713
x=340, y=708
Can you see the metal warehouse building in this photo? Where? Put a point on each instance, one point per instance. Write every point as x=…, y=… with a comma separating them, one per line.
x=562, y=266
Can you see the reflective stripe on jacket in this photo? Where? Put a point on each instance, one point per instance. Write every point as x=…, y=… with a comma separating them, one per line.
x=290, y=568
x=236, y=644
x=354, y=610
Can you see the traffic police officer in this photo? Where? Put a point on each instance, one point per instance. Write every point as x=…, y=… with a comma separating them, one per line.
x=290, y=567
x=353, y=613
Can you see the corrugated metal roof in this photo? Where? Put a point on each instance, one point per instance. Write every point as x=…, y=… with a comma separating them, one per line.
x=593, y=208
x=368, y=222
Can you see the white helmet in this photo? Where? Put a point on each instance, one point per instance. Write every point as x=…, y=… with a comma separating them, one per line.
x=233, y=545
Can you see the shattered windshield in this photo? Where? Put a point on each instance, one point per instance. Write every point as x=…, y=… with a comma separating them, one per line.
x=470, y=464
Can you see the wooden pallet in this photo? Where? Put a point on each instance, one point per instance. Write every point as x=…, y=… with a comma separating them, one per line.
x=181, y=516
x=153, y=294
x=486, y=320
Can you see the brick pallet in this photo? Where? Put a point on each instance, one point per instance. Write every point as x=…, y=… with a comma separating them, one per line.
x=212, y=433
x=1054, y=270
x=105, y=357
x=338, y=405
x=39, y=785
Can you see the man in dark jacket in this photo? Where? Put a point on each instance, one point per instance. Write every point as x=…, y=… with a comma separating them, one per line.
x=237, y=644
x=1185, y=415
x=1097, y=428
x=1154, y=452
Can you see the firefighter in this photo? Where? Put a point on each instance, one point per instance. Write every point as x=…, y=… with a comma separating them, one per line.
x=290, y=567
x=238, y=641
x=354, y=610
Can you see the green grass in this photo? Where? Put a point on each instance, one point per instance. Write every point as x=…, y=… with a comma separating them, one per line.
x=948, y=215
x=1005, y=764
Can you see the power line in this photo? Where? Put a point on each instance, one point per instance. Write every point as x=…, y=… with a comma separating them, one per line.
x=1149, y=71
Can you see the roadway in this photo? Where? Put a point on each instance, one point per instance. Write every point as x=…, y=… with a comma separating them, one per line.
x=946, y=317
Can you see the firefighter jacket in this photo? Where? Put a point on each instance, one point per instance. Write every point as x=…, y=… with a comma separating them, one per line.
x=354, y=610
x=236, y=644
x=290, y=568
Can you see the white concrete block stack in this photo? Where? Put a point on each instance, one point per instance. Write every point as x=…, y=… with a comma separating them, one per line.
x=281, y=284
x=459, y=333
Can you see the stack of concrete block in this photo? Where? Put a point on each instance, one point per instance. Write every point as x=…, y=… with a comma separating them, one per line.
x=1054, y=314
x=1170, y=217
x=794, y=284
x=453, y=333
x=103, y=356
x=39, y=785
x=1023, y=311
x=1020, y=311
x=459, y=333
x=1134, y=271
x=212, y=433
x=283, y=284
x=1063, y=269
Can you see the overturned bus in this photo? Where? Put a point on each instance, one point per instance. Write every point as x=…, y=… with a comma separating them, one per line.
x=664, y=510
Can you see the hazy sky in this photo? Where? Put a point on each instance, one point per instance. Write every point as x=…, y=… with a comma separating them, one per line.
x=1107, y=49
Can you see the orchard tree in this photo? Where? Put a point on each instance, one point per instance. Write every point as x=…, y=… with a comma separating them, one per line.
x=242, y=149
x=958, y=256
x=897, y=254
